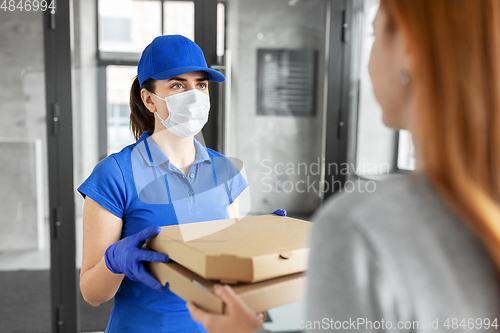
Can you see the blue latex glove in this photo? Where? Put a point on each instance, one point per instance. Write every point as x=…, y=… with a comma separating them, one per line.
x=280, y=212
x=126, y=257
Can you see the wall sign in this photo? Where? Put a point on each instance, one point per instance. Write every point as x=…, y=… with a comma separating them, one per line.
x=286, y=82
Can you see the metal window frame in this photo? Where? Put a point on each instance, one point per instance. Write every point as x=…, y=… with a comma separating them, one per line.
x=337, y=122
x=58, y=92
x=205, y=35
x=395, y=167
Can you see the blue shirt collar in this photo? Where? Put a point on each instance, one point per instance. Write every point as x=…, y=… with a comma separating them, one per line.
x=154, y=156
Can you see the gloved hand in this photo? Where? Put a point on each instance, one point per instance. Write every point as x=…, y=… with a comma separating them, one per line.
x=280, y=212
x=126, y=257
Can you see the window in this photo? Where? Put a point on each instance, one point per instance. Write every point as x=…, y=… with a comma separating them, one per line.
x=118, y=83
x=125, y=28
x=115, y=30
x=179, y=18
x=406, y=151
x=221, y=29
x=128, y=26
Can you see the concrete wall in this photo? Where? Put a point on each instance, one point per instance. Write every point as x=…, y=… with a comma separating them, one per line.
x=21, y=53
x=271, y=146
x=22, y=110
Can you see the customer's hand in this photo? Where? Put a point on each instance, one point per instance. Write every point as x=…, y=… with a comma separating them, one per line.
x=239, y=318
x=127, y=257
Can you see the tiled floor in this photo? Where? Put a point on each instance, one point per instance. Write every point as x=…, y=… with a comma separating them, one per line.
x=39, y=259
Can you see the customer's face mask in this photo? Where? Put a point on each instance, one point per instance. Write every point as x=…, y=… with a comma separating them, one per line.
x=188, y=112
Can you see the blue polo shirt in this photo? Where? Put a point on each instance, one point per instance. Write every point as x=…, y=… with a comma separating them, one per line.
x=141, y=186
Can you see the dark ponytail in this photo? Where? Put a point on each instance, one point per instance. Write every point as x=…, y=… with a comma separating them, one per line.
x=141, y=119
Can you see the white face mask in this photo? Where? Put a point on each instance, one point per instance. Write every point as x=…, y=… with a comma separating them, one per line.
x=188, y=112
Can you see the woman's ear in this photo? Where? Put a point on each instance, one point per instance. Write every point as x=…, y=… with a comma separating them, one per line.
x=147, y=100
x=404, y=52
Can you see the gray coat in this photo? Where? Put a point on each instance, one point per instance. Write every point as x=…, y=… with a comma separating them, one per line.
x=397, y=260
x=400, y=255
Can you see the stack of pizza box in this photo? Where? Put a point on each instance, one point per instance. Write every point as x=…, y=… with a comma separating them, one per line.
x=262, y=257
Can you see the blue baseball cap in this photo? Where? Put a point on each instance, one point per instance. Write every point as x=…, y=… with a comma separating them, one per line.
x=172, y=55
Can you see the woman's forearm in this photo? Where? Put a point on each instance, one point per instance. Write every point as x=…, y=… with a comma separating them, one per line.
x=98, y=284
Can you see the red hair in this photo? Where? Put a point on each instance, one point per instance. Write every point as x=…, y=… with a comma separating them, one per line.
x=455, y=47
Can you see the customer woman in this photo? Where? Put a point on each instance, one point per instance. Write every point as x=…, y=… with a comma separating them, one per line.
x=422, y=253
x=167, y=177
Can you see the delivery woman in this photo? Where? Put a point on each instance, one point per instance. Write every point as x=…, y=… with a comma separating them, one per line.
x=422, y=253
x=166, y=177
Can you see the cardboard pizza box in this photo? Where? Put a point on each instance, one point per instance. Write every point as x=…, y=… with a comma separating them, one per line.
x=259, y=296
x=250, y=249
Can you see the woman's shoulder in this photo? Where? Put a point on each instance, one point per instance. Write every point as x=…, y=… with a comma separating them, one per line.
x=404, y=231
x=404, y=212
x=385, y=201
x=115, y=163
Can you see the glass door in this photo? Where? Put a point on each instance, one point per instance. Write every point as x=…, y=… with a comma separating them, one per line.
x=25, y=302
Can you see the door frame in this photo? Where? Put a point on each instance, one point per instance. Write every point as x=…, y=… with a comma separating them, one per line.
x=59, y=122
x=338, y=101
